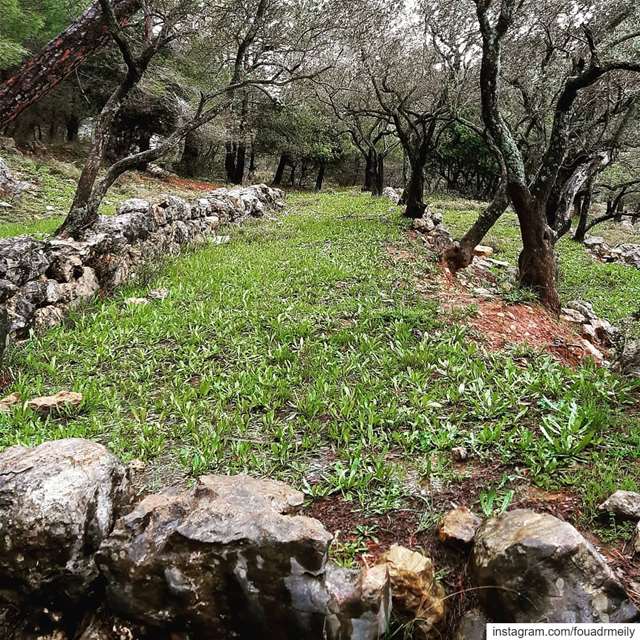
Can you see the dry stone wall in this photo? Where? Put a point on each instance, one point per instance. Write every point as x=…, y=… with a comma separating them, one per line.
x=41, y=279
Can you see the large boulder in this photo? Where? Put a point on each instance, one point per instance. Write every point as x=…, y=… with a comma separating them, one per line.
x=58, y=502
x=532, y=567
x=226, y=559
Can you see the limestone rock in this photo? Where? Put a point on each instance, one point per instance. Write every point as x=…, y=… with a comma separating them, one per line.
x=4, y=331
x=58, y=502
x=628, y=360
x=417, y=595
x=624, y=504
x=61, y=401
x=460, y=454
x=136, y=302
x=472, y=626
x=392, y=194
x=9, y=185
x=22, y=259
x=48, y=317
x=424, y=225
x=360, y=602
x=459, y=526
x=571, y=315
x=483, y=251
x=533, y=567
x=583, y=308
x=6, y=404
x=226, y=560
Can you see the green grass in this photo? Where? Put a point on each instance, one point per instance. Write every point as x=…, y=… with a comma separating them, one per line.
x=40, y=210
x=301, y=350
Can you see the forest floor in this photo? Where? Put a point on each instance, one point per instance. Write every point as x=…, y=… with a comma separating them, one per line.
x=327, y=348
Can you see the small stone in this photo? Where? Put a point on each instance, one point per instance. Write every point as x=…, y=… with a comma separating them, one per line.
x=584, y=308
x=158, y=294
x=589, y=333
x=624, y=504
x=5, y=205
x=48, y=317
x=571, y=315
x=498, y=263
x=417, y=595
x=482, y=292
x=459, y=454
x=472, y=626
x=593, y=241
x=221, y=240
x=459, y=526
x=7, y=403
x=424, y=225
x=61, y=401
x=136, y=301
x=591, y=350
x=483, y=251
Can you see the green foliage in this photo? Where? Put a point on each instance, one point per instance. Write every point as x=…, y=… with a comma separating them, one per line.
x=26, y=25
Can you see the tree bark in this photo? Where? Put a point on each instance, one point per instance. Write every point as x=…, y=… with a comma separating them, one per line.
x=40, y=74
x=413, y=195
x=320, y=177
x=537, y=261
x=282, y=165
x=378, y=175
x=460, y=255
x=583, y=206
x=369, y=172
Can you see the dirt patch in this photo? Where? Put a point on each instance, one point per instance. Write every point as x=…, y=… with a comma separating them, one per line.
x=401, y=527
x=501, y=325
x=195, y=185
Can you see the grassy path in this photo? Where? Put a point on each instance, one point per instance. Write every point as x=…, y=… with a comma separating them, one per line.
x=303, y=351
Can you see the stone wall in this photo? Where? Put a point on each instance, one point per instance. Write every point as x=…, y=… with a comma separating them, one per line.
x=228, y=558
x=41, y=279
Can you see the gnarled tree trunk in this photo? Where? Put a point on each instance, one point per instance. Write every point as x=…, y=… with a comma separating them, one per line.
x=537, y=261
x=460, y=255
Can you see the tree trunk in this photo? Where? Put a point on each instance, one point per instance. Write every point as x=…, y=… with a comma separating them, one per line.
x=369, y=172
x=414, y=194
x=240, y=161
x=320, y=177
x=584, y=205
x=39, y=75
x=230, y=150
x=378, y=175
x=252, y=163
x=73, y=127
x=460, y=255
x=282, y=165
x=537, y=261
x=292, y=175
